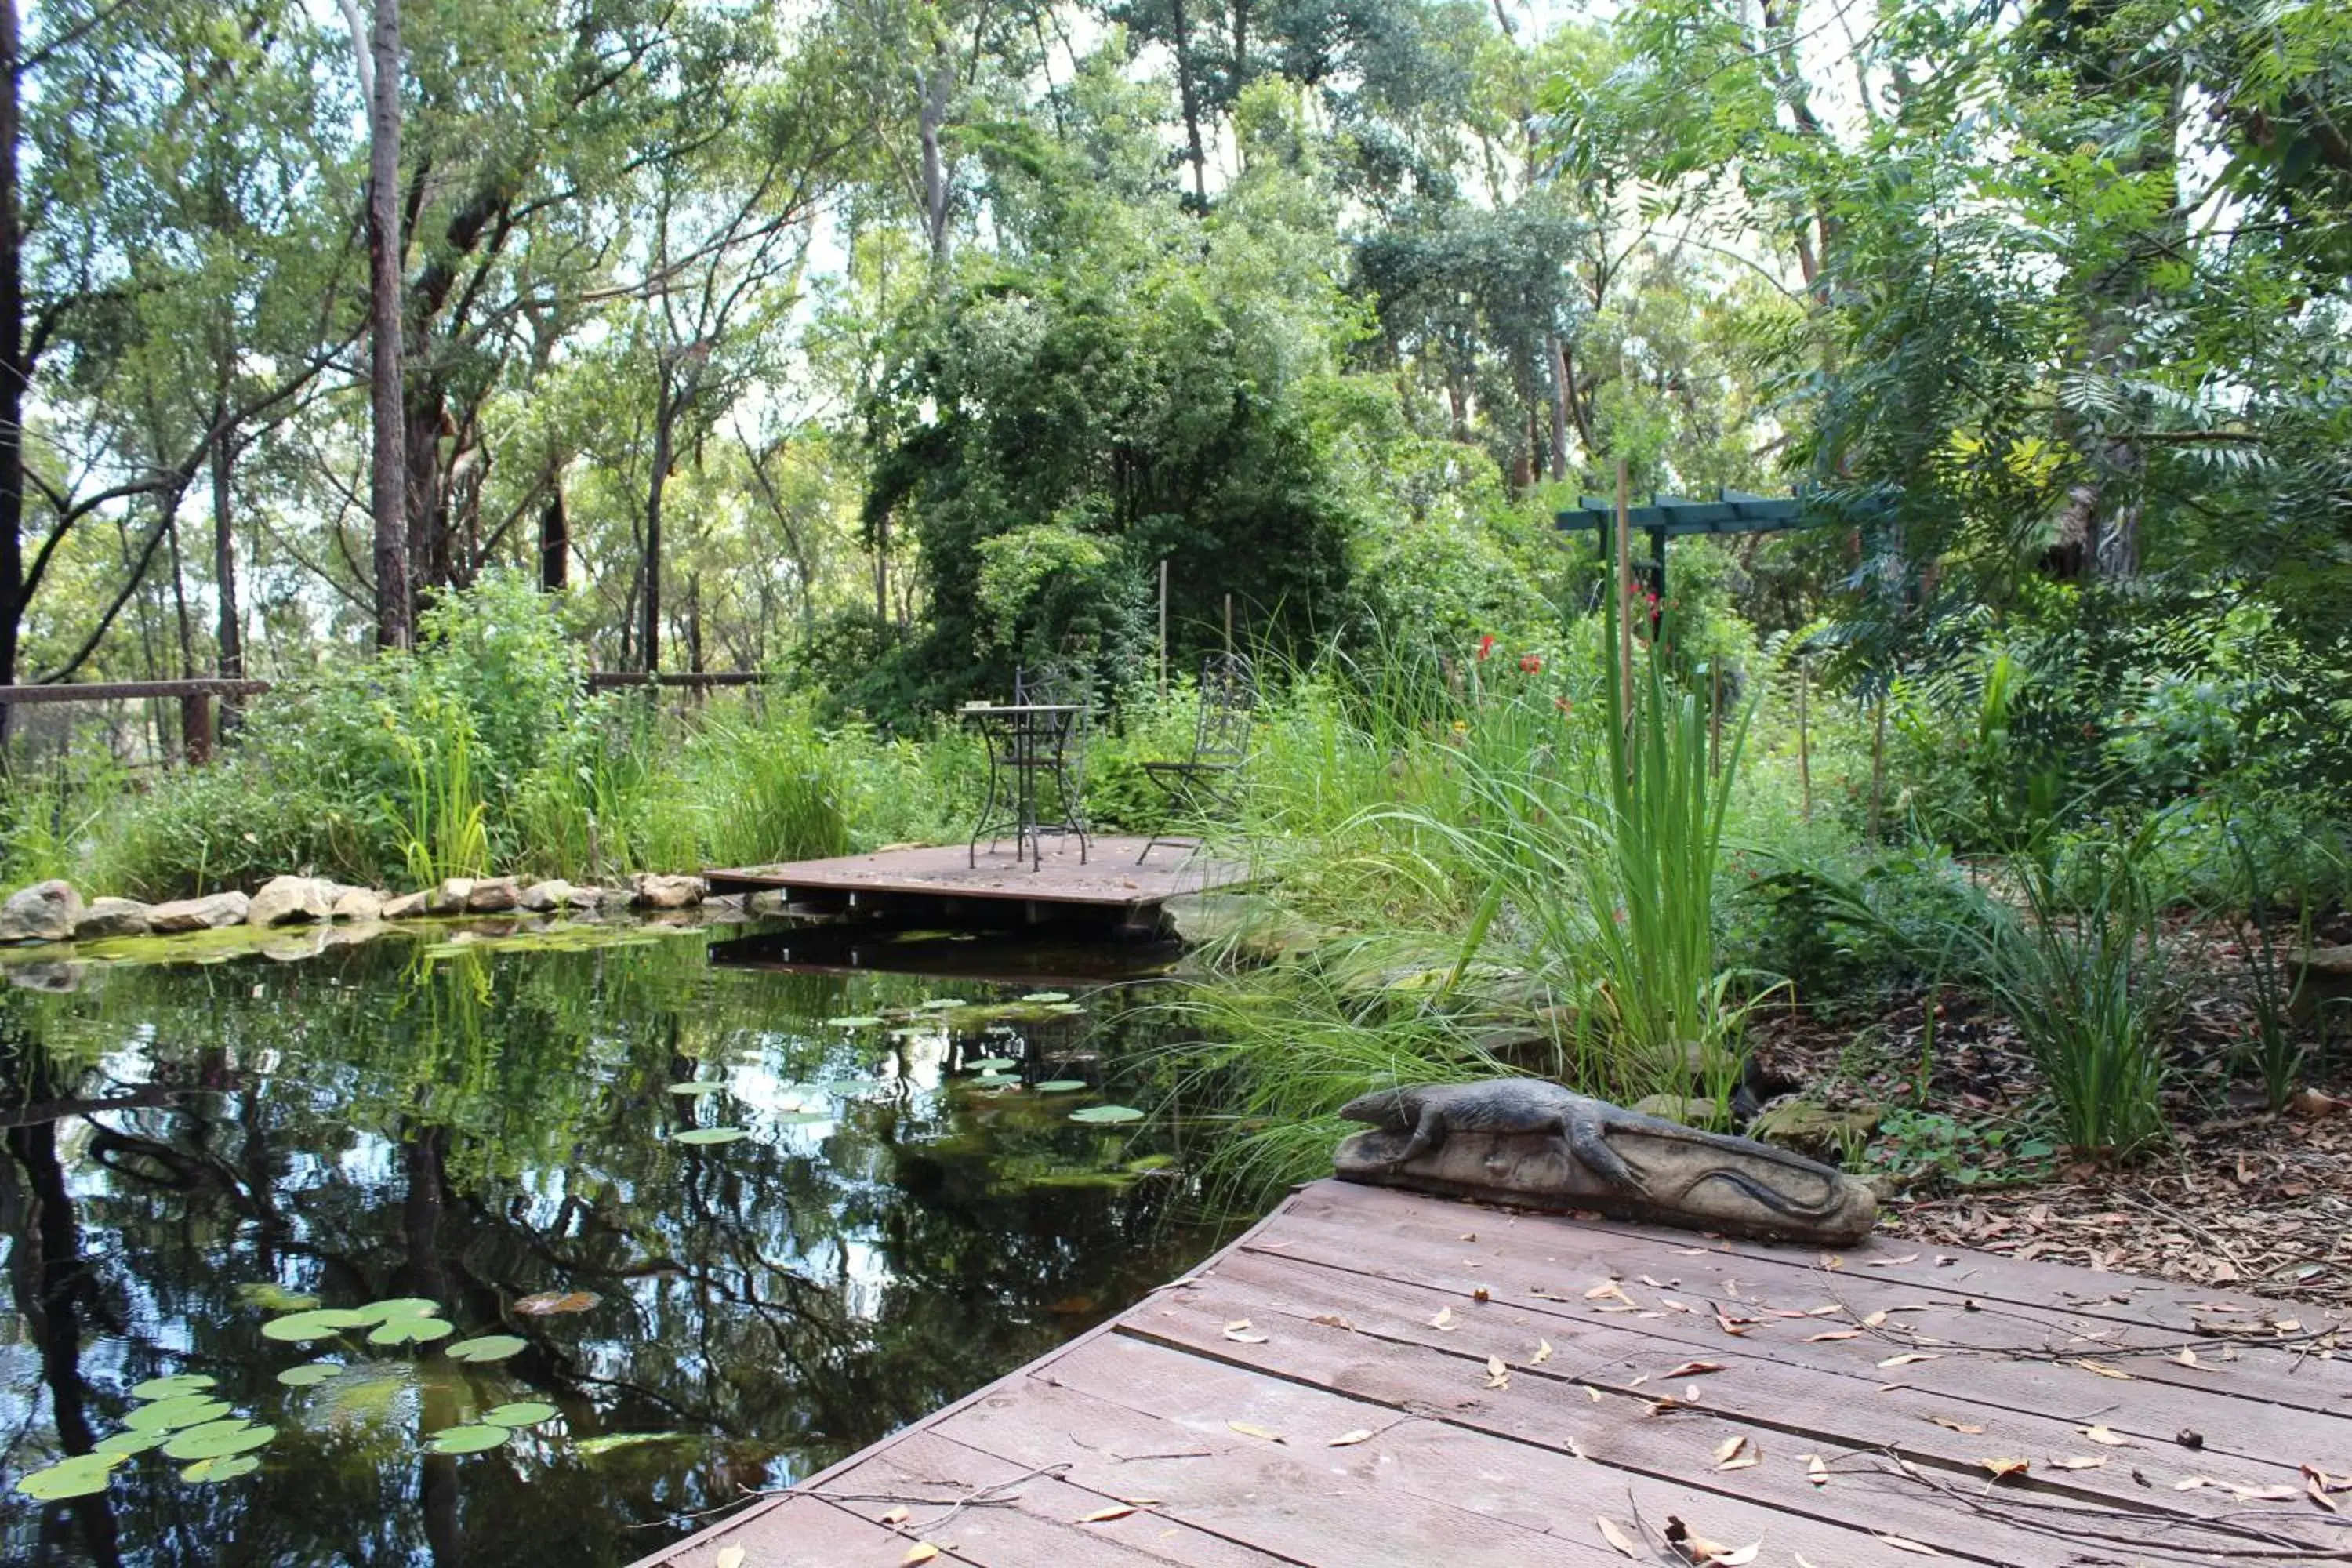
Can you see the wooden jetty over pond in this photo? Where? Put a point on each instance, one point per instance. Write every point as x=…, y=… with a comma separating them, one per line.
x=944, y=885
x=1370, y=1379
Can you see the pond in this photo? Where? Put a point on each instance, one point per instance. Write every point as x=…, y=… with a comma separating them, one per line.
x=695, y=1229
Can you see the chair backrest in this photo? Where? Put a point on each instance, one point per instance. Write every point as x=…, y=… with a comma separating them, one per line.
x=1228, y=696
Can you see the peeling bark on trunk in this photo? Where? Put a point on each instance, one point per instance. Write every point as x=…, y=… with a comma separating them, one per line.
x=14, y=373
x=389, y=493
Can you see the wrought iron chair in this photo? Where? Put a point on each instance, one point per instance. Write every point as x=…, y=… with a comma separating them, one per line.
x=1210, y=780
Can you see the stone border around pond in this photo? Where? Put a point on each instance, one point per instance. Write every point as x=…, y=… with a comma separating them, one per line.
x=49, y=920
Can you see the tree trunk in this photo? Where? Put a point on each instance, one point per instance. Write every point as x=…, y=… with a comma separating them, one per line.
x=554, y=541
x=389, y=493
x=1558, y=355
x=1189, y=98
x=931, y=116
x=649, y=607
x=231, y=633
x=14, y=373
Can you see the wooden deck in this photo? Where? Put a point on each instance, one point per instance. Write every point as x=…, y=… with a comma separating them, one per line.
x=943, y=883
x=1327, y=1392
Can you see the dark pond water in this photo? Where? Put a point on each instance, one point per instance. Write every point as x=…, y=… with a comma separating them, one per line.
x=194, y=1150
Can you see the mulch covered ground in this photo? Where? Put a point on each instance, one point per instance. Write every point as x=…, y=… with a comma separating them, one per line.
x=2242, y=1197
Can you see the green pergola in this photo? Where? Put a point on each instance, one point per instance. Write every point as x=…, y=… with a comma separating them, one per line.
x=1666, y=517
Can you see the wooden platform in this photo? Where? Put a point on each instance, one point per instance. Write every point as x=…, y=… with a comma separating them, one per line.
x=943, y=884
x=1325, y=1392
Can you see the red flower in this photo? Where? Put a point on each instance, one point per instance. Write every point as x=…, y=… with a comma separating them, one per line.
x=1530, y=664
x=1485, y=646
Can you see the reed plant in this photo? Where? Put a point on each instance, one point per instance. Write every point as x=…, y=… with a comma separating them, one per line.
x=444, y=822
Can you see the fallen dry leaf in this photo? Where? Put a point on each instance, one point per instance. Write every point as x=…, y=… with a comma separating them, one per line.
x=1693, y=1368
x=1739, y=1454
x=1332, y=1320
x=1908, y=1357
x=1104, y=1515
x=922, y=1552
x=2001, y=1469
x=2101, y=1368
x=1699, y=1551
x=1543, y=1353
x=1240, y=1332
x=729, y=1557
x=549, y=1302
x=895, y=1516
x=2101, y=1434
x=1497, y=1375
x=1445, y=1320
x=1249, y=1429
x=1892, y=1262
x=1875, y=1319
x=1900, y=1544
x=1609, y=1290
x=1614, y=1534
x=1350, y=1439
x=2079, y=1462
x=1834, y=1334
x=1815, y=1471
x=1970, y=1427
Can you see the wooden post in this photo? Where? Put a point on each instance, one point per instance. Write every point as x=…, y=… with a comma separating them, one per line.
x=1624, y=589
x=197, y=728
x=1877, y=766
x=1804, y=740
x=1229, y=626
x=1164, y=628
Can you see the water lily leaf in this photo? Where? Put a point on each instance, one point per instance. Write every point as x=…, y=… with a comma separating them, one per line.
x=547, y=1302
x=129, y=1442
x=314, y=1325
x=165, y=1387
x=271, y=1296
x=410, y=1331
x=80, y=1476
x=170, y=1415
x=310, y=1373
x=217, y=1439
x=855, y=1021
x=487, y=1348
x=803, y=1118
x=469, y=1439
x=226, y=1468
x=991, y=1064
x=697, y=1089
x=1065, y=1008
x=1047, y=996
x=590, y=1448
x=1106, y=1113
x=398, y=1307
x=1061, y=1086
x=521, y=1413
x=709, y=1135
x=998, y=1079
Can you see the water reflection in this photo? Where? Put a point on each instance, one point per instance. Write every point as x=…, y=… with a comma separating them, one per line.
x=189, y=1148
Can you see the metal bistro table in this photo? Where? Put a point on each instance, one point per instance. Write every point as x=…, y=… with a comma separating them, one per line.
x=1031, y=750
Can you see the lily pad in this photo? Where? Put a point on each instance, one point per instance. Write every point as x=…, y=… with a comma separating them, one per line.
x=165, y=1387
x=938, y=1004
x=172, y=1414
x=473, y=1438
x=272, y=1297
x=398, y=1307
x=487, y=1348
x=521, y=1413
x=991, y=1064
x=321, y=1324
x=1061, y=1085
x=697, y=1089
x=228, y=1468
x=710, y=1135
x=855, y=1021
x=410, y=1331
x=310, y=1373
x=803, y=1117
x=1047, y=996
x=1098, y=1114
x=131, y=1441
x=1063, y=1009
x=80, y=1476
x=219, y=1440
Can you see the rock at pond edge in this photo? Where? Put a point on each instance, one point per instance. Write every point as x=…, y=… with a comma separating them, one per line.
x=286, y=901
x=111, y=917
x=651, y=890
x=209, y=913
x=46, y=911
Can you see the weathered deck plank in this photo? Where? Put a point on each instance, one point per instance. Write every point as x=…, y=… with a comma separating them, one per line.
x=1210, y=1408
x=928, y=879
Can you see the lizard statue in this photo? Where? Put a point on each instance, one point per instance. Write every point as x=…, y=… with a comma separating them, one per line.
x=1529, y=1141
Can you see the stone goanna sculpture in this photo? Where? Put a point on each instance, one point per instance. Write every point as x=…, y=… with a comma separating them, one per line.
x=1525, y=1142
